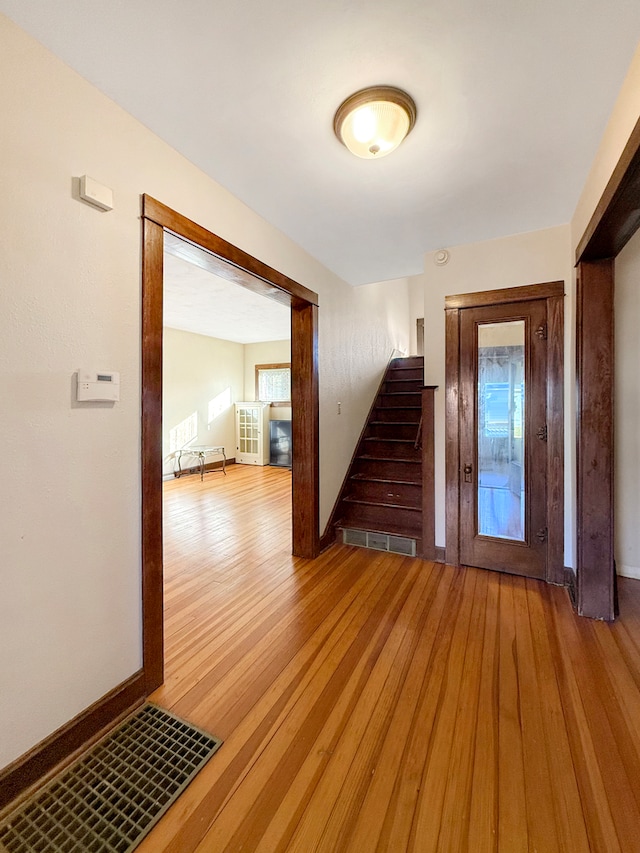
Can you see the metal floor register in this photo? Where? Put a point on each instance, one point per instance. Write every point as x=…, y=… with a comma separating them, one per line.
x=112, y=797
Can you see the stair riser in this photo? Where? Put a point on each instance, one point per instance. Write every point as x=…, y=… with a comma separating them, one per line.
x=396, y=414
x=394, y=469
x=400, y=520
x=391, y=430
x=416, y=373
x=412, y=386
x=392, y=493
x=395, y=401
x=390, y=449
x=409, y=361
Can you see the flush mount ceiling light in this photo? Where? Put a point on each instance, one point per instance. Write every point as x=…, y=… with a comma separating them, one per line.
x=374, y=121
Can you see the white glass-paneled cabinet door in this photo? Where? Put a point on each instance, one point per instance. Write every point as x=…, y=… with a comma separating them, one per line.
x=252, y=433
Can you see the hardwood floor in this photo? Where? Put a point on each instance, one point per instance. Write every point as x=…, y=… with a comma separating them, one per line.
x=370, y=702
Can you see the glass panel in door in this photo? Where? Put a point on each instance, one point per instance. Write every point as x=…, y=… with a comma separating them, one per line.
x=500, y=430
x=254, y=430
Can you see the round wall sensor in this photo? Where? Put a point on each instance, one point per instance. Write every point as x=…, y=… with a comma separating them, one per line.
x=441, y=257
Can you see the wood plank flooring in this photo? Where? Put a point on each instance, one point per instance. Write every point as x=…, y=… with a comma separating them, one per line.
x=375, y=703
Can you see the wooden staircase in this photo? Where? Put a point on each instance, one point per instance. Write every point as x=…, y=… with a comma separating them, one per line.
x=382, y=493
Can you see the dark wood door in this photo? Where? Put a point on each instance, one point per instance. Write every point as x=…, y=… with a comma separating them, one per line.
x=503, y=437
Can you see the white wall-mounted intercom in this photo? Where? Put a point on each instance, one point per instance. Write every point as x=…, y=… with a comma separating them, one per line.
x=98, y=386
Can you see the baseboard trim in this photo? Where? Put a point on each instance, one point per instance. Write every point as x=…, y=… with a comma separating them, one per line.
x=327, y=539
x=439, y=555
x=38, y=763
x=628, y=571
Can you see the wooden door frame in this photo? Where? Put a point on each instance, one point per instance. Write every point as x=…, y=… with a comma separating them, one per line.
x=232, y=263
x=613, y=223
x=553, y=293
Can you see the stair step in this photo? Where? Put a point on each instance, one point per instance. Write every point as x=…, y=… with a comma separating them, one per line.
x=405, y=470
x=386, y=487
x=393, y=429
x=401, y=521
x=385, y=492
x=395, y=386
x=391, y=448
x=388, y=504
x=393, y=440
x=404, y=368
x=398, y=414
x=406, y=373
x=407, y=361
x=395, y=399
x=366, y=478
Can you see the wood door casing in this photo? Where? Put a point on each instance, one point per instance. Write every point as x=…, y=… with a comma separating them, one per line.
x=613, y=223
x=526, y=556
x=553, y=294
x=232, y=263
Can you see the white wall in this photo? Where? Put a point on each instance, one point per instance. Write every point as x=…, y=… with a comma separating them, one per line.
x=531, y=258
x=70, y=625
x=196, y=370
x=627, y=409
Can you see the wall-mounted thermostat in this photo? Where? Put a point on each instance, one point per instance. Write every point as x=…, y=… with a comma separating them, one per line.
x=98, y=386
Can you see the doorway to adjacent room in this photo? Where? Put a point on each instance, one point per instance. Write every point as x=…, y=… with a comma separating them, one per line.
x=235, y=265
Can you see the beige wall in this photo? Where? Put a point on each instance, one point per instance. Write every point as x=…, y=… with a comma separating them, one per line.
x=416, y=309
x=196, y=371
x=70, y=281
x=265, y=352
x=627, y=410
x=522, y=259
x=368, y=326
x=623, y=119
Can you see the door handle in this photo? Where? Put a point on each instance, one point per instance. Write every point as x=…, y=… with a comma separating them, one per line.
x=468, y=470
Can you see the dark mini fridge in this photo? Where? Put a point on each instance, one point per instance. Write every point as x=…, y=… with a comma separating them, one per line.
x=280, y=444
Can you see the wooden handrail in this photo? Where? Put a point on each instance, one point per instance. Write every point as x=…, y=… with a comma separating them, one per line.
x=418, y=442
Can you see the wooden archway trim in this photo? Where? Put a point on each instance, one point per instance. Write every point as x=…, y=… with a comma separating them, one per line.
x=617, y=215
x=244, y=269
x=613, y=223
x=235, y=264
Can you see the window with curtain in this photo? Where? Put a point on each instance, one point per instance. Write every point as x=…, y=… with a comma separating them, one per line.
x=273, y=383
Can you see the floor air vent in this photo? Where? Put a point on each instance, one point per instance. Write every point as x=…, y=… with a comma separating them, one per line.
x=111, y=798
x=379, y=541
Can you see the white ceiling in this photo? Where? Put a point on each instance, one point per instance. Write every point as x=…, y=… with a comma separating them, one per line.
x=198, y=301
x=512, y=100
